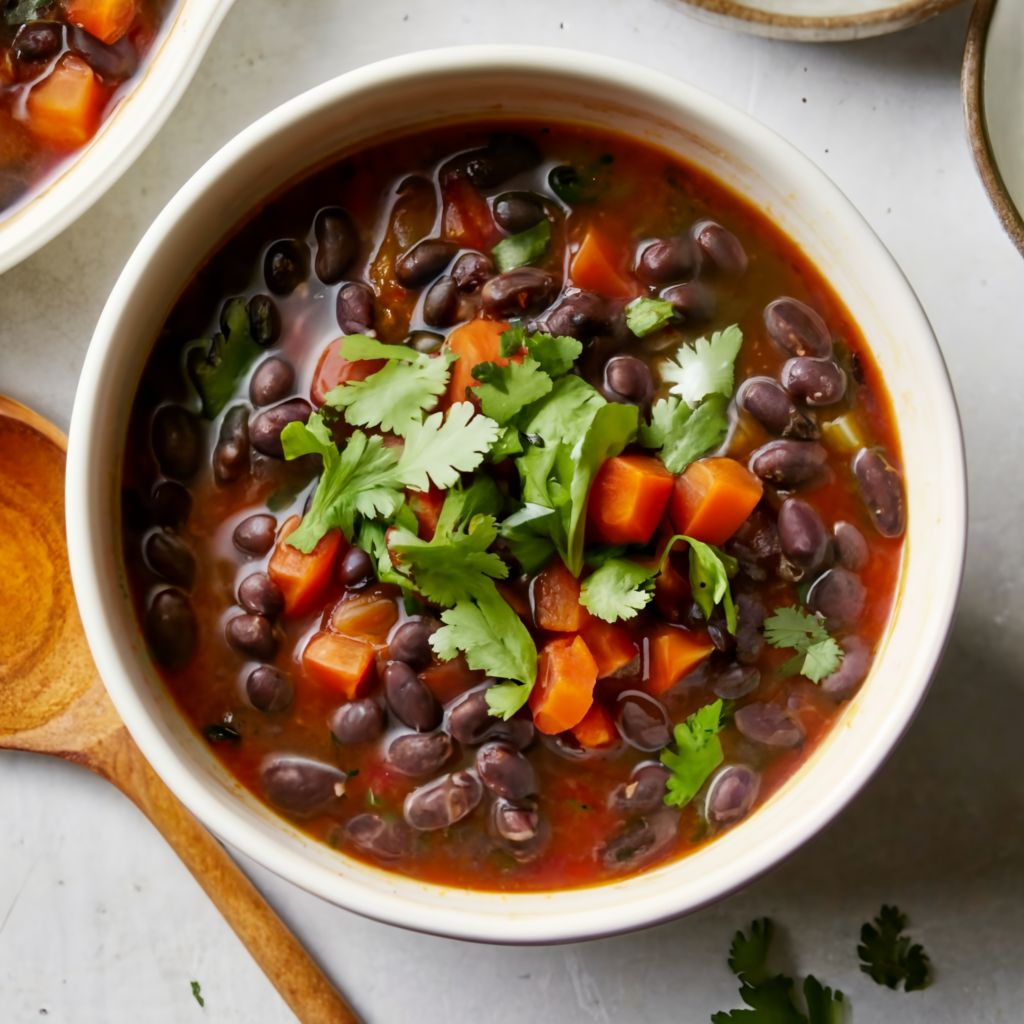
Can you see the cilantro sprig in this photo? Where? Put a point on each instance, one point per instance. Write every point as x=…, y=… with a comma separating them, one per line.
x=818, y=654
x=646, y=315
x=215, y=371
x=704, y=368
x=698, y=753
x=891, y=958
x=524, y=248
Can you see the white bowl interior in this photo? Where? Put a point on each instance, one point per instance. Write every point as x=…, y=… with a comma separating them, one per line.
x=482, y=82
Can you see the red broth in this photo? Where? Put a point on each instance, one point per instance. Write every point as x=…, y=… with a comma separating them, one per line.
x=572, y=809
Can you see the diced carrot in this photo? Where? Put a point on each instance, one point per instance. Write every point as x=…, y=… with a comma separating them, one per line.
x=513, y=596
x=610, y=644
x=449, y=679
x=596, y=729
x=564, y=691
x=713, y=498
x=65, y=107
x=556, y=600
x=333, y=369
x=627, y=499
x=477, y=342
x=426, y=506
x=674, y=651
x=467, y=217
x=339, y=662
x=592, y=268
x=107, y=20
x=366, y=617
x=302, y=578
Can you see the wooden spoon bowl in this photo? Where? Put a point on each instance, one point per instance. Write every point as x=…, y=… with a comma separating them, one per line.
x=53, y=702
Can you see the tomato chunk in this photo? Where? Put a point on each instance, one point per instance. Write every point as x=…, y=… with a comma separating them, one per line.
x=674, y=651
x=339, y=662
x=302, y=578
x=556, y=600
x=596, y=729
x=713, y=498
x=467, y=217
x=564, y=691
x=611, y=645
x=627, y=499
x=334, y=369
x=66, y=106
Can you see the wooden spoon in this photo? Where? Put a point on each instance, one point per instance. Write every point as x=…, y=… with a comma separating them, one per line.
x=52, y=702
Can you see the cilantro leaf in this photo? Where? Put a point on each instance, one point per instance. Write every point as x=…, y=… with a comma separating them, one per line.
x=710, y=570
x=698, y=753
x=554, y=353
x=508, y=445
x=371, y=536
x=232, y=351
x=705, y=367
x=197, y=993
x=889, y=957
x=818, y=655
x=505, y=699
x=565, y=413
x=440, y=448
x=504, y=391
x=524, y=248
x=683, y=434
x=396, y=396
x=528, y=534
x=461, y=504
x=748, y=954
x=618, y=589
x=645, y=315
x=824, y=1005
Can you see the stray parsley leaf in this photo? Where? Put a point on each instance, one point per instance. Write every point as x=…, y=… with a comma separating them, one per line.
x=439, y=450
x=683, y=434
x=645, y=315
x=698, y=753
x=818, y=654
x=705, y=367
x=890, y=957
x=618, y=589
x=710, y=570
x=523, y=249
x=216, y=372
x=504, y=391
x=554, y=353
x=197, y=993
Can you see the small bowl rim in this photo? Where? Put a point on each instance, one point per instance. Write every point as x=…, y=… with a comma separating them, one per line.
x=494, y=917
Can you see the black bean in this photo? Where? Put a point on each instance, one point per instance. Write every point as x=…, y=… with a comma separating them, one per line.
x=721, y=248
x=628, y=380
x=272, y=381
x=358, y=721
x=264, y=320
x=251, y=635
x=300, y=785
x=579, y=314
x=503, y=158
x=443, y=802
x=356, y=568
x=789, y=464
x=231, y=453
x=337, y=243
x=881, y=490
x=419, y=754
x=769, y=725
x=852, y=671
x=755, y=545
x=852, y=550
x=839, y=596
x=409, y=698
x=170, y=556
x=769, y=403
x=286, y=265
x=265, y=428
x=802, y=534
x=517, y=211
x=170, y=504
x=750, y=616
x=423, y=262
x=471, y=270
x=505, y=772
x=171, y=628
x=736, y=681
x=385, y=840
x=515, y=822
x=37, y=41
x=644, y=792
x=427, y=342
x=177, y=442
x=667, y=259
x=797, y=329
x=259, y=594
x=356, y=308
x=441, y=303
x=113, y=62
x=731, y=794
x=519, y=291
x=692, y=301
x=411, y=642
x=642, y=721
x=642, y=842
x=255, y=534
x=814, y=381
x=269, y=689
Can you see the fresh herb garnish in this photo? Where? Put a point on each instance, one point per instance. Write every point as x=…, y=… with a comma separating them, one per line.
x=682, y=434
x=554, y=353
x=216, y=371
x=705, y=367
x=890, y=957
x=523, y=249
x=646, y=315
x=577, y=187
x=710, y=571
x=818, y=655
x=197, y=993
x=504, y=391
x=698, y=753
x=26, y=10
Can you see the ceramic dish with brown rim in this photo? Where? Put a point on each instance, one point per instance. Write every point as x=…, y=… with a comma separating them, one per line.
x=993, y=91
x=817, y=21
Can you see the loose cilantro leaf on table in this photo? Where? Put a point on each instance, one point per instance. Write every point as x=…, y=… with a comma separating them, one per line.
x=645, y=315
x=682, y=434
x=524, y=248
x=216, y=372
x=818, y=655
x=197, y=993
x=890, y=957
x=705, y=367
x=710, y=570
x=698, y=753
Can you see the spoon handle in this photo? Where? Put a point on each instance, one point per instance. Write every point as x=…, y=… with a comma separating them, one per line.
x=291, y=970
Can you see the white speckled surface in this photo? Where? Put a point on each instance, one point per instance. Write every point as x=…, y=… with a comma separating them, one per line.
x=99, y=924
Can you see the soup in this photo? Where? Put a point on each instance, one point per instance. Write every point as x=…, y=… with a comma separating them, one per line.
x=511, y=506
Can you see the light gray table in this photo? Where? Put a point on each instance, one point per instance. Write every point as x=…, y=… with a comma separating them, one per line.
x=99, y=924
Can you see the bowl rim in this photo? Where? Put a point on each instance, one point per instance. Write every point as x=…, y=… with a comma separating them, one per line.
x=495, y=920
x=86, y=174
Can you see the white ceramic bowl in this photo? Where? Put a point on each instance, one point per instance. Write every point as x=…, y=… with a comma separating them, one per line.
x=87, y=174
x=484, y=82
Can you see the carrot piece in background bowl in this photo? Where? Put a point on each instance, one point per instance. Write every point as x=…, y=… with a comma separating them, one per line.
x=107, y=20
x=66, y=106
